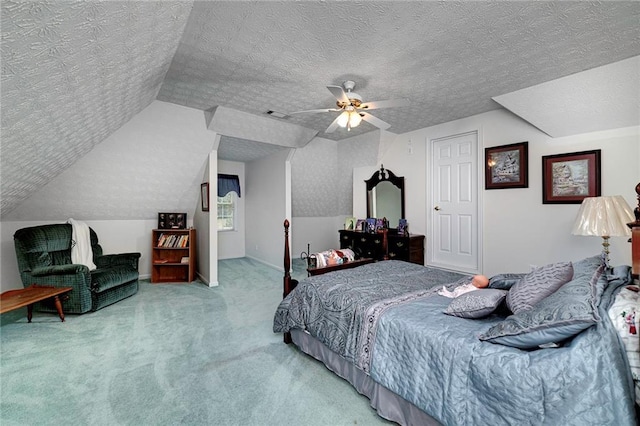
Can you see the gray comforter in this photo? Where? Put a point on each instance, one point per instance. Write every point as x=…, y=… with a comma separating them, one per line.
x=388, y=320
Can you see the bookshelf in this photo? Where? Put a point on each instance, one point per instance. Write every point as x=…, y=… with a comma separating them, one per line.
x=173, y=257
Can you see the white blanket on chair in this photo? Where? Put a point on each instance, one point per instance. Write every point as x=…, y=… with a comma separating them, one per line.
x=81, y=252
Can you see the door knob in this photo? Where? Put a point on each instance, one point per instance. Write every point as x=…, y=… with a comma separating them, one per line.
x=437, y=208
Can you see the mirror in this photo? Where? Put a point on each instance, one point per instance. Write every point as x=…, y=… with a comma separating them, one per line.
x=385, y=196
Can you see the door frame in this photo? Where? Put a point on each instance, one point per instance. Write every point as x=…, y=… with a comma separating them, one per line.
x=429, y=162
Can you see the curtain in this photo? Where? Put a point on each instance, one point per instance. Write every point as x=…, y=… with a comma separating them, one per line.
x=228, y=183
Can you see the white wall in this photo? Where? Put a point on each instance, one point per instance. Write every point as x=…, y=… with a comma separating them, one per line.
x=231, y=244
x=115, y=236
x=322, y=188
x=320, y=232
x=201, y=223
x=520, y=231
x=266, y=208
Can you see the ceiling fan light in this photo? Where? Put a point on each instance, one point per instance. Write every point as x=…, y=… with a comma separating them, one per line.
x=354, y=119
x=343, y=120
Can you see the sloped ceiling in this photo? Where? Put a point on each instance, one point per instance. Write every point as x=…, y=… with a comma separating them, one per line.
x=597, y=99
x=74, y=72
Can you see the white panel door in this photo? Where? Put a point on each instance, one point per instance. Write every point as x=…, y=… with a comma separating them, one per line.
x=453, y=227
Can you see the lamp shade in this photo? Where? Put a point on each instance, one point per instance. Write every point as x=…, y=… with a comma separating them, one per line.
x=603, y=217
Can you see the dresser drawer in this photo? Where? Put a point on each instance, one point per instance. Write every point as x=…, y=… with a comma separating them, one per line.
x=399, y=247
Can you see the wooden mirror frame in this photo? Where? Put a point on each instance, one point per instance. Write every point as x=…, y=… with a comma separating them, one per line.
x=383, y=175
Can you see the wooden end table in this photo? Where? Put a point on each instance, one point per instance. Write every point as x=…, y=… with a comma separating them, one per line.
x=346, y=265
x=15, y=299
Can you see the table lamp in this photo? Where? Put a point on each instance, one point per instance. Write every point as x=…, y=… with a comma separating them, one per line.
x=603, y=217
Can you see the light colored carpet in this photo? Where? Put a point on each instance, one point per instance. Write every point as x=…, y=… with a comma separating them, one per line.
x=172, y=354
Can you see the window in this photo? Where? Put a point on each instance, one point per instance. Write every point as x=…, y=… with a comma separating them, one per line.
x=226, y=212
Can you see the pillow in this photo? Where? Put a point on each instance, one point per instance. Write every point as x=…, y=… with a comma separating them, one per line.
x=538, y=284
x=587, y=265
x=504, y=281
x=563, y=314
x=476, y=304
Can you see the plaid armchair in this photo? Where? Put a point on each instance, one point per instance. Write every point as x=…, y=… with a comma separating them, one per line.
x=44, y=258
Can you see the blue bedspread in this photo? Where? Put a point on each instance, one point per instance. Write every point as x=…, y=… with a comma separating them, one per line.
x=397, y=333
x=437, y=362
x=334, y=307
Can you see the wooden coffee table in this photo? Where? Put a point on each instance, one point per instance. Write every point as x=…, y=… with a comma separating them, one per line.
x=15, y=299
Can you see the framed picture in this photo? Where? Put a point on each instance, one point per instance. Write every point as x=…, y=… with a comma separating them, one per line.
x=172, y=220
x=204, y=196
x=570, y=178
x=361, y=225
x=403, y=227
x=506, y=166
x=371, y=224
x=350, y=223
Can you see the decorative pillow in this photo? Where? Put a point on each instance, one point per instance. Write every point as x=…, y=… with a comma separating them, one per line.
x=587, y=265
x=476, y=304
x=504, y=281
x=538, y=284
x=562, y=315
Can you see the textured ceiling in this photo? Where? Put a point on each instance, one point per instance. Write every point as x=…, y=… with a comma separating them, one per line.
x=243, y=150
x=74, y=72
x=448, y=58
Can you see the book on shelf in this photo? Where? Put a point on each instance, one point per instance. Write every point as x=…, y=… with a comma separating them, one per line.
x=160, y=261
x=173, y=241
x=185, y=259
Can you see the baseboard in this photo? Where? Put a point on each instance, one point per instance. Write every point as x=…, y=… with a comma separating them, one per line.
x=207, y=282
x=278, y=268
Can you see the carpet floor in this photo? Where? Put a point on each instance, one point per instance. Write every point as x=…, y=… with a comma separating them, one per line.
x=172, y=354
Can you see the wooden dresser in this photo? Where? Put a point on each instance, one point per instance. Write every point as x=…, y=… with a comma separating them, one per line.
x=408, y=248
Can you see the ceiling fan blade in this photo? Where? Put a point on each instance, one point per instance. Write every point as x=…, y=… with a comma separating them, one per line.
x=375, y=121
x=385, y=104
x=339, y=93
x=316, y=110
x=333, y=126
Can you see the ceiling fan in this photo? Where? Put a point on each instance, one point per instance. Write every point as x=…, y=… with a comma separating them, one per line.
x=353, y=109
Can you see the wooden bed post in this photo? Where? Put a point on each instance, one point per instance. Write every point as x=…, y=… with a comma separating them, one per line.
x=288, y=283
x=635, y=238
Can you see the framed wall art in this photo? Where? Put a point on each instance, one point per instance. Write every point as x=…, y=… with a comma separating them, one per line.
x=204, y=196
x=570, y=178
x=350, y=223
x=506, y=166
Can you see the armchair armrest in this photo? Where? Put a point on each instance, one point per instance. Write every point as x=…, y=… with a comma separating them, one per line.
x=110, y=260
x=71, y=269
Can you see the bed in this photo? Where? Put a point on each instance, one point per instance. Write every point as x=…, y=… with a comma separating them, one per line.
x=383, y=328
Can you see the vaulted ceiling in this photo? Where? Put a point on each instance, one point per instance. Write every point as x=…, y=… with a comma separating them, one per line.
x=74, y=72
